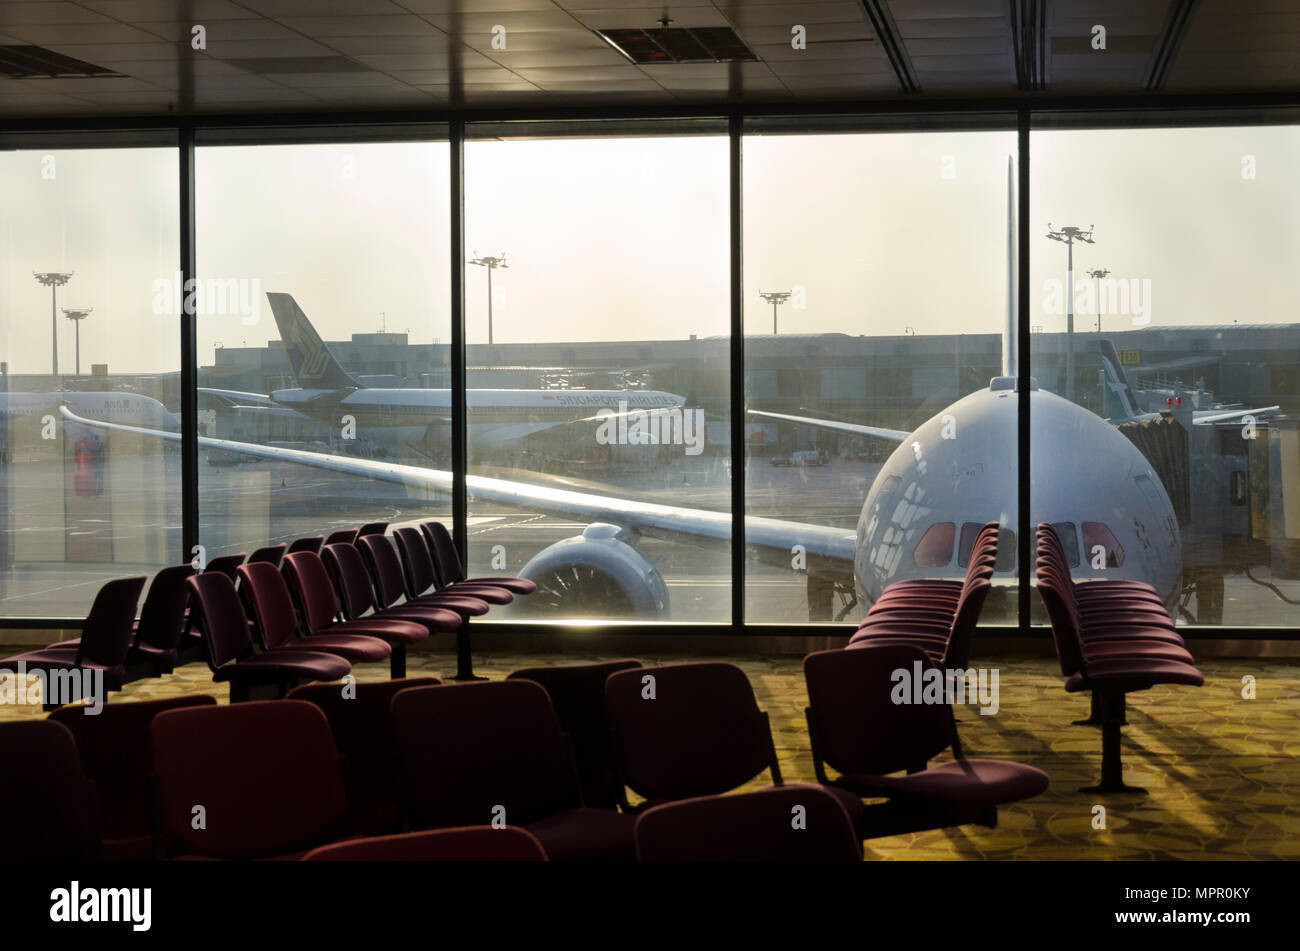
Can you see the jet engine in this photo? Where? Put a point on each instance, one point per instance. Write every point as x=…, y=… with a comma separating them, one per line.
x=595, y=574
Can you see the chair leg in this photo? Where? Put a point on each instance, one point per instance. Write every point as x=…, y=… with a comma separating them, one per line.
x=397, y=662
x=464, y=662
x=1112, y=763
x=1094, y=712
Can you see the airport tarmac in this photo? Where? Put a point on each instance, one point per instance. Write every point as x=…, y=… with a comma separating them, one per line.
x=61, y=546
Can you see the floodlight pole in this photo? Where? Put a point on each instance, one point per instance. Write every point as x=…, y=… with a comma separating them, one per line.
x=53, y=280
x=491, y=262
x=776, y=299
x=77, y=315
x=1069, y=235
x=1098, y=273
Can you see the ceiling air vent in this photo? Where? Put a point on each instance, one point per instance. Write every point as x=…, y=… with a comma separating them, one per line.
x=36, y=62
x=701, y=44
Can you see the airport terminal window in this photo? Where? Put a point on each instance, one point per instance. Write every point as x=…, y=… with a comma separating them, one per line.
x=598, y=371
x=323, y=338
x=882, y=427
x=91, y=231
x=1182, y=360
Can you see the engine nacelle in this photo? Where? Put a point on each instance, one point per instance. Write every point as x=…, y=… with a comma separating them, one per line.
x=595, y=574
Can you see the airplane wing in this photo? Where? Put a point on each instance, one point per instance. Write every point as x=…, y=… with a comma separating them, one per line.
x=1209, y=417
x=774, y=537
x=876, y=432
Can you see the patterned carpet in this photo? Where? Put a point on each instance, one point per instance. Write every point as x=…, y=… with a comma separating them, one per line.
x=1223, y=772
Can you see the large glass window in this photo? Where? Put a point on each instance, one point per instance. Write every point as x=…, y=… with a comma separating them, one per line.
x=1167, y=351
x=323, y=338
x=598, y=318
x=875, y=283
x=86, y=340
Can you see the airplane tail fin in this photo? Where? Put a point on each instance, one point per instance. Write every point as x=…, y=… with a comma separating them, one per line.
x=1118, y=389
x=311, y=362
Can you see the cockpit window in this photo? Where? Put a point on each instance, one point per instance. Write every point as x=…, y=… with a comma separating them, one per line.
x=934, y=550
x=969, y=532
x=1006, y=546
x=1098, y=540
x=1069, y=541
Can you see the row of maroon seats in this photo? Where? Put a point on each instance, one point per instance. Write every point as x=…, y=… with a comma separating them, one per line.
x=938, y=616
x=125, y=648
x=1112, y=637
x=552, y=750
x=931, y=622
x=100, y=770
x=360, y=589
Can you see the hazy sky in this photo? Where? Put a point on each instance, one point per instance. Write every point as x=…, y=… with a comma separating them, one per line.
x=626, y=238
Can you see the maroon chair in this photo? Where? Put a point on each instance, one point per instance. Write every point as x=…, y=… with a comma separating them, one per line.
x=229, y=646
x=466, y=844
x=372, y=528
x=577, y=693
x=318, y=605
x=422, y=579
x=1103, y=606
x=421, y=573
x=702, y=734
x=311, y=543
x=347, y=571
x=858, y=729
x=475, y=754
x=1122, y=617
x=191, y=647
x=451, y=570
x=358, y=715
x=386, y=572
x=116, y=754
x=950, y=650
x=266, y=774
x=162, y=623
x=797, y=822
x=105, y=640
x=1117, y=624
x=344, y=536
x=943, y=589
x=1049, y=540
x=268, y=603
x=47, y=804
x=225, y=564
x=271, y=554
x=1128, y=665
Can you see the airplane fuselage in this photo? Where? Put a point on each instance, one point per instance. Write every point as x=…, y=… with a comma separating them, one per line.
x=422, y=406
x=129, y=409
x=958, y=470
